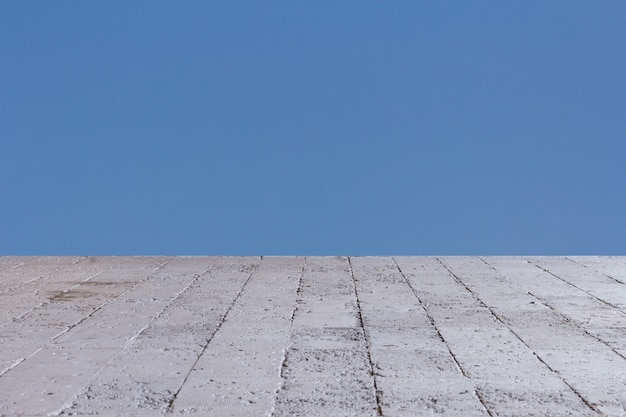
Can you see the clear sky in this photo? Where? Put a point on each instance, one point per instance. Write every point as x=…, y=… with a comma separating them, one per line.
x=312, y=127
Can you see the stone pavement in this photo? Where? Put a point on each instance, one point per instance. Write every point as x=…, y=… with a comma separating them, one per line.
x=312, y=336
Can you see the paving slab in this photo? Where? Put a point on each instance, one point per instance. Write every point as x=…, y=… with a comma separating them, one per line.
x=312, y=336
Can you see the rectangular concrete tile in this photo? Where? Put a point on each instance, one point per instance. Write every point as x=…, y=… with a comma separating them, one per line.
x=45, y=382
x=326, y=264
x=321, y=397
x=227, y=397
x=250, y=334
x=391, y=362
x=535, y=399
x=251, y=360
x=405, y=337
x=331, y=319
x=375, y=316
x=562, y=335
x=586, y=365
x=327, y=337
x=462, y=317
x=419, y=396
x=181, y=335
x=332, y=310
x=149, y=365
x=326, y=285
x=327, y=276
x=325, y=363
x=260, y=317
x=492, y=353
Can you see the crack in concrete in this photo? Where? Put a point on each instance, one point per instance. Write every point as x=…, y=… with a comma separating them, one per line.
x=377, y=391
x=539, y=358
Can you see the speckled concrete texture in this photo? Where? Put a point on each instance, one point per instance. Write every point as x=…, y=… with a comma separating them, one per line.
x=313, y=336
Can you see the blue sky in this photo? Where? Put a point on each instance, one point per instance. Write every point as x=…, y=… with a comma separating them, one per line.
x=312, y=128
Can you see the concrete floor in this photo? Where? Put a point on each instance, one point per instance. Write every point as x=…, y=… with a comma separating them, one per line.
x=295, y=336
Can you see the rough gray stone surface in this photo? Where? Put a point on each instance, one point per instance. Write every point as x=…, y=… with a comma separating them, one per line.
x=313, y=336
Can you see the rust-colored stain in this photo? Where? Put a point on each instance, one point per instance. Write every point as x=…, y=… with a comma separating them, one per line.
x=79, y=292
x=70, y=295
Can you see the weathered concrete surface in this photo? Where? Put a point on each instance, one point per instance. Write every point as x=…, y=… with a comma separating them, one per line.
x=313, y=336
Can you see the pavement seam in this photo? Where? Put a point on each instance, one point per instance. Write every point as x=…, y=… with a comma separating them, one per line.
x=512, y=382
x=377, y=391
x=283, y=363
x=107, y=302
x=431, y=319
x=21, y=284
x=585, y=331
x=14, y=364
x=9, y=268
x=39, y=306
x=578, y=288
x=132, y=339
x=170, y=406
x=594, y=269
x=563, y=316
x=539, y=358
x=45, y=303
